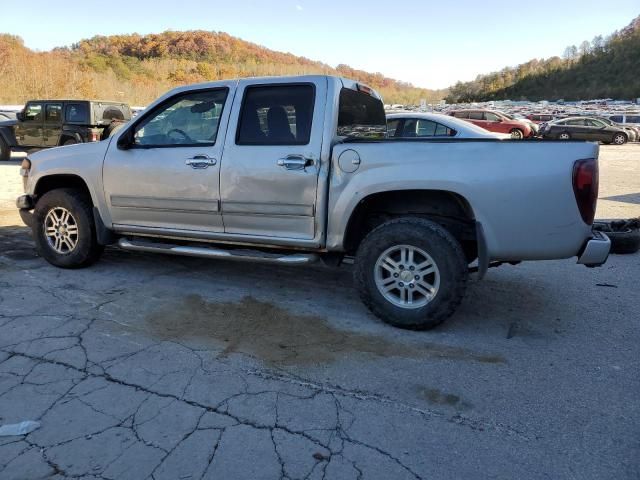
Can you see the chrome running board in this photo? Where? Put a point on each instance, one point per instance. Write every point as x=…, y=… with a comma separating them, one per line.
x=214, y=252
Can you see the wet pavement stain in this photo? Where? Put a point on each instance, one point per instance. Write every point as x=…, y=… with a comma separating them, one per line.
x=279, y=337
x=437, y=397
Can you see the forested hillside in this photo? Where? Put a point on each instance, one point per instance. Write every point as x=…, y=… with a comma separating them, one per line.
x=138, y=68
x=602, y=68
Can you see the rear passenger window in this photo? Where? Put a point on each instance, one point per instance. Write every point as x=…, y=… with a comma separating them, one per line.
x=475, y=116
x=77, y=113
x=633, y=118
x=276, y=115
x=461, y=114
x=53, y=113
x=426, y=128
x=442, y=131
x=360, y=115
x=616, y=118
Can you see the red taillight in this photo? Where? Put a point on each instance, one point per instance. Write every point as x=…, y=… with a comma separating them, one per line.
x=585, y=188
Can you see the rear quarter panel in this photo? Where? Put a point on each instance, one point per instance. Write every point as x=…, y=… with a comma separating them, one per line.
x=521, y=192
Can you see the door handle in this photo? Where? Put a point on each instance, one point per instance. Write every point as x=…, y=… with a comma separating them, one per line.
x=201, y=161
x=295, y=162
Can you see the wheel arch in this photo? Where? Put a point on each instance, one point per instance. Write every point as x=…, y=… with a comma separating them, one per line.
x=66, y=135
x=61, y=180
x=450, y=209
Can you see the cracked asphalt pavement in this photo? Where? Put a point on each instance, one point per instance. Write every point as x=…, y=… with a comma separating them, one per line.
x=147, y=366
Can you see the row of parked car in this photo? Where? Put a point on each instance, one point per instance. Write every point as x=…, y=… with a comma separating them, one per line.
x=50, y=123
x=492, y=123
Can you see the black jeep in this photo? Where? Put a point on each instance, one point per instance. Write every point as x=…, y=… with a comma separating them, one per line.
x=51, y=123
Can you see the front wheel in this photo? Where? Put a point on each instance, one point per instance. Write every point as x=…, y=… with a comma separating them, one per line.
x=517, y=134
x=411, y=273
x=564, y=136
x=64, y=229
x=619, y=139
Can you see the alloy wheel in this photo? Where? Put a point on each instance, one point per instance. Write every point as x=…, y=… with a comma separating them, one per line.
x=61, y=230
x=407, y=276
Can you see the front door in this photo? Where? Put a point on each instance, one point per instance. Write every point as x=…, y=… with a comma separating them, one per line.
x=493, y=123
x=168, y=178
x=52, y=124
x=269, y=175
x=29, y=130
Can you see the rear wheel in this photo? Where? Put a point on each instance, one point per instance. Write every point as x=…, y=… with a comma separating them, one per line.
x=70, y=141
x=619, y=139
x=411, y=273
x=5, y=151
x=517, y=134
x=64, y=229
x=564, y=136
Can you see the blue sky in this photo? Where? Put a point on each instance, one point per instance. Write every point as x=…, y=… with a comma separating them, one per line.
x=431, y=44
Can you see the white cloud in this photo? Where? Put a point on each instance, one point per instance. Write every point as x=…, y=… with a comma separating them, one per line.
x=299, y=8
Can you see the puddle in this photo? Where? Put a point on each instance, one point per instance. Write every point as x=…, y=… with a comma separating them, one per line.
x=437, y=397
x=279, y=337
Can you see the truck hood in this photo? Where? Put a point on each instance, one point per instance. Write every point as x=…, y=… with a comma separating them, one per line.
x=8, y=123
x=69, y=159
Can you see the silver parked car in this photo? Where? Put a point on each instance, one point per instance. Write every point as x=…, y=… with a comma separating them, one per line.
x=434, y=125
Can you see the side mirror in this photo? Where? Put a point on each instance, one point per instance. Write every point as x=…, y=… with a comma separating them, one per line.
x=125, y=141
x=20, y=116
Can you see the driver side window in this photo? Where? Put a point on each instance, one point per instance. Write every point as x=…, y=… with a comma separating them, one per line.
x=190, y=119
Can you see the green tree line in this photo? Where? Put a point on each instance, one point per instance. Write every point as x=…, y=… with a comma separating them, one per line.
x=602, y=68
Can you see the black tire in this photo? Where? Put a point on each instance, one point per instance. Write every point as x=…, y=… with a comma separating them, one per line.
x=446, y=253
x=69, y=141
x=87, y=250
x=114, y=126
x=566, y=135
x=619, y=139
x=5, y=151
x=517, y=134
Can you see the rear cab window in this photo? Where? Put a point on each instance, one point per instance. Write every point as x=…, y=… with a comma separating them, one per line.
x=360, y=115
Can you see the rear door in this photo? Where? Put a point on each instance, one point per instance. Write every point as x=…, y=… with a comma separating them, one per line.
x=52, y=124
x=168, y=180
x=29, y=130
x=597, y=130
x=269, y=176
x=477, y=118
x=578, y=129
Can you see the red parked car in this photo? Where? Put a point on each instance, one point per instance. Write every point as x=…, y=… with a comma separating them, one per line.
x=495, y=122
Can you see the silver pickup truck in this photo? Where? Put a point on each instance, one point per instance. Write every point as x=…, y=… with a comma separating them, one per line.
x=294, y=170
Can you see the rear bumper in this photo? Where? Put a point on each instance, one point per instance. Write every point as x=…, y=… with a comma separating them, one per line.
x=595, y=251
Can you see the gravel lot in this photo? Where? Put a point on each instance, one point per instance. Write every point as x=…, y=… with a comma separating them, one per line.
x=177, y=368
